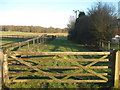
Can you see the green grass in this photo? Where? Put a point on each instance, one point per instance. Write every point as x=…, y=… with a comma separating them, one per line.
x=61, y=44
x=17, y=33
x=3, y=33
x=10, y=40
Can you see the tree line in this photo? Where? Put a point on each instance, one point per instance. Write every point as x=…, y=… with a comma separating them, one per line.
x=35, y=29
x=98, y=24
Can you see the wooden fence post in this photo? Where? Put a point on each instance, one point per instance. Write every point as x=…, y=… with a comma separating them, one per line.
x=118, y=45
x=19, y=45
x=5, y=68
x=117, y=68
x=102, y=44
x=45, y=40
x=33, y=42
x=1, y=70
x=28, y=45
x=40, y=40
x=37, y=40
x=108, y=44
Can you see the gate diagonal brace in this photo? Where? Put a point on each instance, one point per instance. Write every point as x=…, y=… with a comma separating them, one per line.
x=19, y=75
x=35, y=68
x=80, y=70
x=96, y=61
x=88, y=69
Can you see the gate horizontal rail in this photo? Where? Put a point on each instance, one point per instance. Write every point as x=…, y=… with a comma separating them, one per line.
x=59, y=53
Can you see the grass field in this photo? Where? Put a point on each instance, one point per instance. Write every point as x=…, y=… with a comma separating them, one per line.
x=29, y=34
x=61, y=44
x=9, y=40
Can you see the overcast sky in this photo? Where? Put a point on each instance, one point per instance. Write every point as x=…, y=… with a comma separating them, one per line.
x=46, y=13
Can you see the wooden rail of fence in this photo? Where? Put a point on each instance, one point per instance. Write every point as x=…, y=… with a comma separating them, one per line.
x=22, y=43
x=18, y=36
x=38, y=39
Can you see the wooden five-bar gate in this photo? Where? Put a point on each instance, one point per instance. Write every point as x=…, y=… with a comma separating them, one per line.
x=96, y=67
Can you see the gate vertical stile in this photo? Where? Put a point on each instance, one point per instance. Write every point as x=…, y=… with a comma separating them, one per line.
x=116, y=69
x=5, y=68
x=119, y=67
x=1, y=70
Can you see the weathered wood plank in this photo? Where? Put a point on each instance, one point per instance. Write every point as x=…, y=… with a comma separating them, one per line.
x=1, y=69
x=57, y=67
x=103, y=57
x=98, y=67
x=35, y=68
x=119, y=67
x=89, y=70
x=22, y=43
x=60, y=53
x=62, y=81
x=5, y=68
x=51, y=59
x=54, y=74
x=116, y=75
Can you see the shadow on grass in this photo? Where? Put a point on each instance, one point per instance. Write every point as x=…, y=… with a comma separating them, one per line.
x=63, y=42
x=12, y=40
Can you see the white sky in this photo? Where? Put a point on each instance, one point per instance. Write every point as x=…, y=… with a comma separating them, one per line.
x=44, y=13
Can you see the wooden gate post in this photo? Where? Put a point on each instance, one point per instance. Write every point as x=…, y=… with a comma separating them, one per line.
x=1, y=70
x=117, y=68
x=5, y=68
